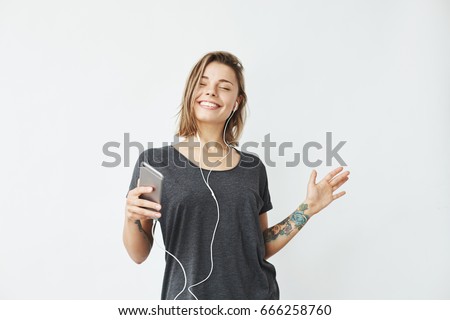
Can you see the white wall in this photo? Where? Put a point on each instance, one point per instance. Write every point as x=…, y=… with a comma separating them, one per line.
x=75, y=75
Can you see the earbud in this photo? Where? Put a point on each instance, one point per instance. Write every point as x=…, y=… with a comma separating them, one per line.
x=235, y=106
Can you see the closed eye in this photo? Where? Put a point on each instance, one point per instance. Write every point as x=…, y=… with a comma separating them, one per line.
x=202, y=84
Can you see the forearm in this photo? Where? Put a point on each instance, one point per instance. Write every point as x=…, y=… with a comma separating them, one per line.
x=137, y=242
x=276, y=237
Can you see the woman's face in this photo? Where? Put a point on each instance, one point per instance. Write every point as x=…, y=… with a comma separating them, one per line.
x=217, y=93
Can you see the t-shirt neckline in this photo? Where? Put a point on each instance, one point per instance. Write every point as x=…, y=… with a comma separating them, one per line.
x=196, y=166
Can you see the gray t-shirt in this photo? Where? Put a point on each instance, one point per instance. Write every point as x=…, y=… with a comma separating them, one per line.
x=188, y=218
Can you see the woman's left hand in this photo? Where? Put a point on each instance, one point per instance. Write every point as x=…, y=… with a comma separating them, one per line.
x=321, y=194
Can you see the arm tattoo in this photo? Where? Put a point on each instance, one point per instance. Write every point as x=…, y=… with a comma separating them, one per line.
x=299, y=219
x=148, y=237
x=138, y=222
x=141, y=230
x=284, y=227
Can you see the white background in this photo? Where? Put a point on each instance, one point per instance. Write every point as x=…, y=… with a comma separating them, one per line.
x=75, y=75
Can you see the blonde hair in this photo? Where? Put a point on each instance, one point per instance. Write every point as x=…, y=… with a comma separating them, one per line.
x=187, y=126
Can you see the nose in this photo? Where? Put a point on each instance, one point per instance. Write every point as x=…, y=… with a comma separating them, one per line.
x=210, y=91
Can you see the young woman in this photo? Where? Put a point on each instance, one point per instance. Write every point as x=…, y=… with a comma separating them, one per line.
x=215, y=198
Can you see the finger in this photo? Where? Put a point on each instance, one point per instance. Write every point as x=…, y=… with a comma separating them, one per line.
x=150, y=214
x=136, y=192
x=330, y=176
x=335, y=187
x=136, y=216
x=339, y=178
x=345, y=173
x=340, y=194
x=144, y=203
x=312, y=177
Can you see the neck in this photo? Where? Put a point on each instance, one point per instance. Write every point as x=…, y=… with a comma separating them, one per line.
x=211, y=133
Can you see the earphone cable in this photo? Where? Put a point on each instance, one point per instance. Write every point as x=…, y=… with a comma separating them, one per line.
x=173, y=256
x=217, y=204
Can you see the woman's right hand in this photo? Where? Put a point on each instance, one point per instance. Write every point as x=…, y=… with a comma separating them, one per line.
x=141, y=209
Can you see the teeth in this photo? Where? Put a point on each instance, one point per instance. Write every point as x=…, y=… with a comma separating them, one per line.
x=208, y=104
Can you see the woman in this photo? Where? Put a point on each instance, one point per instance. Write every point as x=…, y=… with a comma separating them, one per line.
x=214, y=203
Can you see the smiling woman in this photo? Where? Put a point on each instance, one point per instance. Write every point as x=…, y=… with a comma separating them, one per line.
x=218, y=79
x=213, y=95
x=215, y=228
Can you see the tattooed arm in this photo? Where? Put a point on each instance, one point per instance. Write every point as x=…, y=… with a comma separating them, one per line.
x=319, y=195
x=137, y=238
x=276, y=237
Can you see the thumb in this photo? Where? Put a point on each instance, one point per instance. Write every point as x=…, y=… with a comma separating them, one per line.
x=312, y=178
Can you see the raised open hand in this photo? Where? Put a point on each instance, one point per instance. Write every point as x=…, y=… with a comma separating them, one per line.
x=320, y=195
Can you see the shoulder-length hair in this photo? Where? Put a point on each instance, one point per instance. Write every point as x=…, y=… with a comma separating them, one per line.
x=187, y=125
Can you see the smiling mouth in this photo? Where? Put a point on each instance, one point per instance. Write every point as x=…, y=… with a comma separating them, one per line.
x=209, y=105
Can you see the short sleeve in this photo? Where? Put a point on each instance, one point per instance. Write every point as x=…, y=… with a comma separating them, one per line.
x=265, y=194
x=136, y=170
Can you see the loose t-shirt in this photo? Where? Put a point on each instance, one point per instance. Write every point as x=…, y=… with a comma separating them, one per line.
x=188, y=218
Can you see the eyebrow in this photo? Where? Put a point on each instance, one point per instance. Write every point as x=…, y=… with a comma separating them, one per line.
x=221, y=80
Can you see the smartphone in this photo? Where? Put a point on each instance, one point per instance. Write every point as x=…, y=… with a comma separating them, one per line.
x=150, y=177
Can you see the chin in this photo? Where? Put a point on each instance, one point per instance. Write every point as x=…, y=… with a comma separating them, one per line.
x=213, y=116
